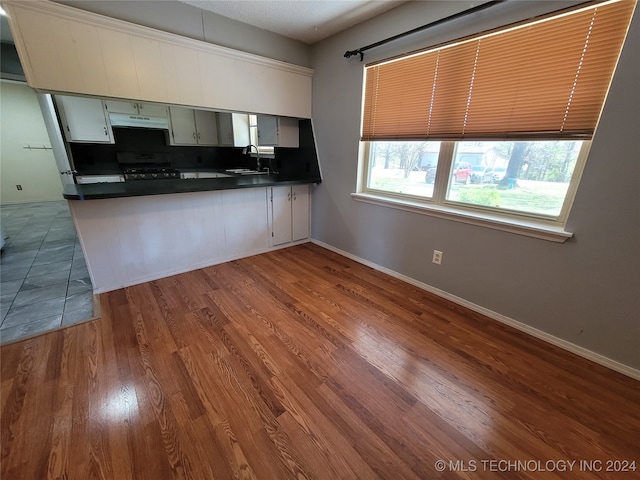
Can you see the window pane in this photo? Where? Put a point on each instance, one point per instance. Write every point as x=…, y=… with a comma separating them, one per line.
x=531, y=177
x=403, y=167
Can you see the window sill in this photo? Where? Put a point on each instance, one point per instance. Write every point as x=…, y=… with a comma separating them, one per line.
x=516, y=226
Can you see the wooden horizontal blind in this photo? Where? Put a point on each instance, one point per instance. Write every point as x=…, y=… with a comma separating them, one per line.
x=545, y=79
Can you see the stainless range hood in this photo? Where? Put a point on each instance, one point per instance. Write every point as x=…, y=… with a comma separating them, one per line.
x=140, y=121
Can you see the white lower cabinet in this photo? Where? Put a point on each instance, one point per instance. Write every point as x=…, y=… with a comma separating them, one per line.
x=289, y=213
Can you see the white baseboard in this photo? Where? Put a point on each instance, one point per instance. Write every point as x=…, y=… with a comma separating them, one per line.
x=542, y=335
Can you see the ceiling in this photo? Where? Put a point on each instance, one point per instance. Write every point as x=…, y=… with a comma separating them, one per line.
x=308, y=21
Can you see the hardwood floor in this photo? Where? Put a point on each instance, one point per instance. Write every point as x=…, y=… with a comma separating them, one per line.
x=303, y=364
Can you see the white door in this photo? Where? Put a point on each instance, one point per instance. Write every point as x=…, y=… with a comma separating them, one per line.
x=241, y=136
x=288, y=132
x=300, y=212
x=183, y=126
x=233, y=129
x=84, y=119
x=281, y=214
x=152, y=110
x=206, y=127
x=267, y=130
x=225, y=128
x=116, y=106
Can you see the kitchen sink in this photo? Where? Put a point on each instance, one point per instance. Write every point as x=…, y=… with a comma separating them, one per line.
x=191, y=175
x=246, y=171
x=213, y=175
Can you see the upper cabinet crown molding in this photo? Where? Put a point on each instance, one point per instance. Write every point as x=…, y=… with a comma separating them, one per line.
x=65, y=49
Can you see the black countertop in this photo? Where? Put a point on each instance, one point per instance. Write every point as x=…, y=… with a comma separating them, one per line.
x=136, y=188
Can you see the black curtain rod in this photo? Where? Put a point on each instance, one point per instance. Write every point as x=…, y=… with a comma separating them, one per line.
x=360, y=51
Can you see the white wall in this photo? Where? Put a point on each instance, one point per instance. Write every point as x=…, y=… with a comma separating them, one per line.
x=585, y=291
x=21, y=124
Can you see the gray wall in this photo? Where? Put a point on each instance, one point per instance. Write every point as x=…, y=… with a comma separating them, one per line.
x=188, y=21
x=586, y=291
x=10, y=67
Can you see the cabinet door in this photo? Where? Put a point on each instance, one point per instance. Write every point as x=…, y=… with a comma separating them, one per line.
x=84, y=119
x=225, y=128
x=278, y=131
x=206, y=127
x=241, y=136
x=152, y=110
x=267, y=130
x=288, y=132
x=233, y=129
x=115, y=106
x=300, y=212
x=183, y=126
x=281, y=214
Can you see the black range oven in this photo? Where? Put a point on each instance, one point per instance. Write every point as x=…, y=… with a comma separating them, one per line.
x=150, y=173
x=146, y=166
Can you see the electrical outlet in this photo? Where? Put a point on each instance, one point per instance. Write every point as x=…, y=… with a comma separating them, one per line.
x=19, y=187
x=437, y=257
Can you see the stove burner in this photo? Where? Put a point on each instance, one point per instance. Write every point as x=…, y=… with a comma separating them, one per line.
x=150, y=173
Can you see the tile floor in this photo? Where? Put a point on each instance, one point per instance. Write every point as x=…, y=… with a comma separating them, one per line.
x=44, y=282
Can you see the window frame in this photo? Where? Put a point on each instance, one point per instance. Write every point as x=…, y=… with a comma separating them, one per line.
x=393, y=108
x=526, y=223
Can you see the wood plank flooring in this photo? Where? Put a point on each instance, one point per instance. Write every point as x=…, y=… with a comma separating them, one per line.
x=302, y=364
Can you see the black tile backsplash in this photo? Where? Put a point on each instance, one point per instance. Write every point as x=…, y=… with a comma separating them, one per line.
x=94, y=159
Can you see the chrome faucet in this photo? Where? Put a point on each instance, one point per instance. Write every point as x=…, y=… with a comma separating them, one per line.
x=247, y=151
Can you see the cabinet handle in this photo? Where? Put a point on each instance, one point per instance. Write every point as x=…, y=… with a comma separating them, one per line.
x=105, y=131
x=194, y=135
x=198, y=135
x=289, y=196
x=294, y=196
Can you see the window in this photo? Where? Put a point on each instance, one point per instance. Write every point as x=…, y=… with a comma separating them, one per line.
x=399, y=167
x=255, y=138
x=497, y=124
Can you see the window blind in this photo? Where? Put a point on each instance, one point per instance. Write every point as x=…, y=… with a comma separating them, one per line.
x=544, y=79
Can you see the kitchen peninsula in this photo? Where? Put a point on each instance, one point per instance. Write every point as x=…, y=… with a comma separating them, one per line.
x=135, y=231
x=176, y=114
x=95, y=191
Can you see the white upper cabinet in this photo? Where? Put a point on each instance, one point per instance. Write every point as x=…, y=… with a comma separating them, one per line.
x=183, y=126
x=193, y=127
x=206, y=127
x=64, y=49
x=134, y=108
x=84, y=119
x=115, y=106
x=233, y=129
x=278, y=131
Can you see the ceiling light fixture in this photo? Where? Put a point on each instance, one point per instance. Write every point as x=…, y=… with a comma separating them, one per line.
x=2, y=12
